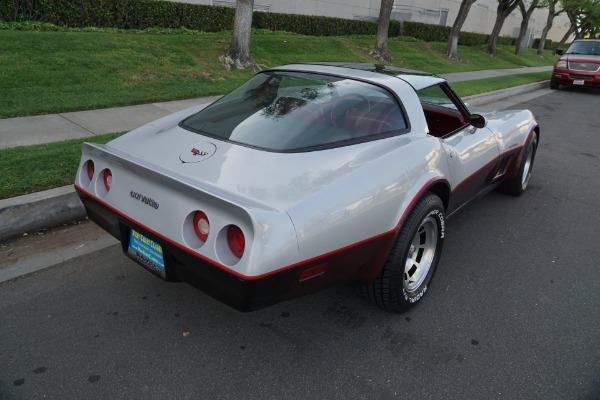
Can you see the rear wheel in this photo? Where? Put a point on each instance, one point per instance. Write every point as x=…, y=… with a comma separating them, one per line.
x=407, y=272
x=517, y=186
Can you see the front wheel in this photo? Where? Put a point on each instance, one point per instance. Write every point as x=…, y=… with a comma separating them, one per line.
x=553, y=84
x=410, y=266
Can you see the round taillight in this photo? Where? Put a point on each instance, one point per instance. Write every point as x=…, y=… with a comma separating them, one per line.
x=236, y=240
x=107, y=179
x=201, y=225
x=90, y=169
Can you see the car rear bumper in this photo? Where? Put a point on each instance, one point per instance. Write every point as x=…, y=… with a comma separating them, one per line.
x=360, y=262
x=575, y=78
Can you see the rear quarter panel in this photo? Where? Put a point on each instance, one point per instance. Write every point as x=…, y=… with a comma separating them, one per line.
x=372, y=201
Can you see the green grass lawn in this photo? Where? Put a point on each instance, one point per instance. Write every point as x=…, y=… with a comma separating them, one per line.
x=27, y=172
x=468, y=88
x=50, y=72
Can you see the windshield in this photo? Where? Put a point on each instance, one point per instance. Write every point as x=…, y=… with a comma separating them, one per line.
x=292, y=111
x=591, y=48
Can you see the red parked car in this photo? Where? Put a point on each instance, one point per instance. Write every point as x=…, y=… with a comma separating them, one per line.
x=579, y=65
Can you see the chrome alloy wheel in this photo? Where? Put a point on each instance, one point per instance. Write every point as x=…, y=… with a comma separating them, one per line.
x=420, y=254
x=527, y=170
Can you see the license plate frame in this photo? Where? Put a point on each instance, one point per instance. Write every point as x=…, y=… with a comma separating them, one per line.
x=147, y=252
x=579, y=82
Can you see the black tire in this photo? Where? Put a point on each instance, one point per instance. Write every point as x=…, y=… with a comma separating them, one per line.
x=411, y=264
x=553, y=84
x=518, y=185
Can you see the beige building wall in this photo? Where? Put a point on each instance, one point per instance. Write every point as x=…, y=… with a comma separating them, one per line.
x=480, y=20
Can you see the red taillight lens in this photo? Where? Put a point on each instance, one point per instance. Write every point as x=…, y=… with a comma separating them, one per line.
x=236, y=240
x=107, y=179
x=90, y=169
x=201, y=225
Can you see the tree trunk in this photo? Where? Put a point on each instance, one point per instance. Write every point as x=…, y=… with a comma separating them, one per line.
x=238, y=53
x=383, y=26
x=549, y=21
x=505, y=7
x=463, y=12
x=526, y=13
x=564, y=38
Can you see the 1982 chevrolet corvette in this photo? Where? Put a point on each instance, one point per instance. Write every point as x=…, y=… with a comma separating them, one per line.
x=306, y=175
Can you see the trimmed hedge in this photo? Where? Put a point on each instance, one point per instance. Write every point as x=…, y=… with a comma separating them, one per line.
x=144, y=14
x=548, y=44
x=312, y=25
x=123, y=14
x=426, y=32
x=506, y=40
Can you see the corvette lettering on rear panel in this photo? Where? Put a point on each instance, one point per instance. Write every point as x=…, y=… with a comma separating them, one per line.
x=146, y=200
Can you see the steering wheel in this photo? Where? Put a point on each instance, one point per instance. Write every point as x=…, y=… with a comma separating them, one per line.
x=345, y=104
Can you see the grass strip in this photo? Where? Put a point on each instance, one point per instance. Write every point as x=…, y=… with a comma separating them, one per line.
x=477, y=86
x=29, y=169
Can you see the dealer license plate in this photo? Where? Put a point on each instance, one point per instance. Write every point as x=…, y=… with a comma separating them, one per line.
x=578, y=82
x=147, y=252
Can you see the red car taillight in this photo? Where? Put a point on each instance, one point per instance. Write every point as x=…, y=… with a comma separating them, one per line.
x=107, y=179
x=90, y=169
x=201, y=225
x=236, y=240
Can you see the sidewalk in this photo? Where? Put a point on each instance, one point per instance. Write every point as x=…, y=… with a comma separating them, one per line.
x=39, y=129
x=57, y=206
x=24, y=131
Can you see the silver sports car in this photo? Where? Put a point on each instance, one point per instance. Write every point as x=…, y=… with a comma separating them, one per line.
x=305, y=176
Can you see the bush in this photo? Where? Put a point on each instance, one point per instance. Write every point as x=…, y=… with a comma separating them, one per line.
x=312, y=25
x=426, y=32
x=548, y=44
x=125, y=14
x=472, y=39
x=506, y=40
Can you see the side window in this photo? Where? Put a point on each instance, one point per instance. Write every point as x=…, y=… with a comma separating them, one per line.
x=363, y=109
x=442, y=114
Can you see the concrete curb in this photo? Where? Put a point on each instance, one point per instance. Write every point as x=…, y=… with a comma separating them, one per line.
x=39, y=210
x=484, y=98
x=58, y=206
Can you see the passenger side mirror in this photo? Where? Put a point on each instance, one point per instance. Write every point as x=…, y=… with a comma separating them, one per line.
x=477, y=120
x=559, y=52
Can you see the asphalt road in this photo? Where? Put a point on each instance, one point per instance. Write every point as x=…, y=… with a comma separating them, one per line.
x=513, y=312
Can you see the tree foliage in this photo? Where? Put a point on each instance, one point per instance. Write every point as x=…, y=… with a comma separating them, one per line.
x=587, y=16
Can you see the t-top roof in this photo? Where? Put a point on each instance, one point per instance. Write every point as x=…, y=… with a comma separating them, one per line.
x=417, y=79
